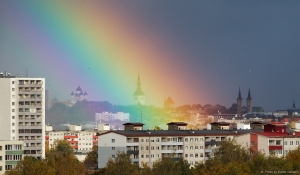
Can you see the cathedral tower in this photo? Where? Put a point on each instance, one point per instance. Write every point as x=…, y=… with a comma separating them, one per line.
x=239, y=102
x=249, y=102
x=139, y=96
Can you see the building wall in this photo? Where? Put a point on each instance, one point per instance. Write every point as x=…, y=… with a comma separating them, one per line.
x=108, y=148
x=7, y=97
x=22, y=112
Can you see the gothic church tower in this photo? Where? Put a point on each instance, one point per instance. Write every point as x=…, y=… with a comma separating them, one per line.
x=249, y=102
x=239, y=102
x=139, y=96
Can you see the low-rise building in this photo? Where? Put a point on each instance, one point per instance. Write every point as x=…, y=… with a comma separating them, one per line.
x=148, y=146
x=11, y=152
x=81, y=141
x=274, y=139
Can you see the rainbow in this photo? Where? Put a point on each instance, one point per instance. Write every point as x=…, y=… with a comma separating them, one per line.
x=98, y=45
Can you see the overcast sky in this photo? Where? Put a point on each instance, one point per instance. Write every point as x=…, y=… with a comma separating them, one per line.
x=221, y=45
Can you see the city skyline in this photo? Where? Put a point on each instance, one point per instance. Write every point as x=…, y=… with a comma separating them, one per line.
x=194, y=52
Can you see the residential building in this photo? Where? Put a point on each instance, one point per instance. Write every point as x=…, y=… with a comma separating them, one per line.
x=148, y=146
x=11, y=152
x=108, y=117
x=22, y=112
x=81, y=141
x=275, y=139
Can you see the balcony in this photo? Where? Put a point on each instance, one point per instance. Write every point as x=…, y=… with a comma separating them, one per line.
x=132, y=151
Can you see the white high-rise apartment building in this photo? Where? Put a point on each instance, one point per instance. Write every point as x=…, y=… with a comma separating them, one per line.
x=22, y=112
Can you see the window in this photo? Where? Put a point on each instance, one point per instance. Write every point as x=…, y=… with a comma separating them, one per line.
x=186, y=139
x=147, y=148
x=186, y=155
x=113, y=156
x=252, y=143
x=13, y=82
x=142, y=140
x=147, y=156
x=13, y=89
x=285, y=142
x=13, y=110
x=13, y=103
x=142, y=156
x=152, y=140
x=0, y=168
x=196, y=147
x=201, y=147
x=113, y=140
x=157, y=140
x=142, y=148
x=13, y=96
x=291, y=142
x=12, y=124
x=0, y=158
x=191, y=162
x=191, y=147
x=191, y=139
x=157, y=148
x=196, y=155
x=152, y=147
x=191, y=155
x=157, y=155
x=13, y=117
x=201, y=139
x=297, y=142
x=113, y=148
x=201, y=154
x=13, y=131
x=186, y=148
x=196, y=139
x=0, y=148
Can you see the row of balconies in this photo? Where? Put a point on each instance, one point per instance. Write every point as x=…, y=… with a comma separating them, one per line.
x=32, y=152
x=30, y=82
x=30, y=117
x=30, y=138
x=28, y=104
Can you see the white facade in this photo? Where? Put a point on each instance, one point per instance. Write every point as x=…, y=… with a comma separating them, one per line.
x=107, y=116
x=149, y=147
x=243, y=126
x=22, y=112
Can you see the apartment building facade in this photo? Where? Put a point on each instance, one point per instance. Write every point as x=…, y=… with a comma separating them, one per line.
x=22, y=112
x=148, y=146
x=11, y=152
x=107, y=117
x=82, y=141
x=275, y=139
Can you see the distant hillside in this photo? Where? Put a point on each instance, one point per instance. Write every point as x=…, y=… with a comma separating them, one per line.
x=85, y=111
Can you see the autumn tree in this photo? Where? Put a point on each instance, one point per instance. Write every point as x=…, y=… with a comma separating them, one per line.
x=58, y=161
x=91, y=159
x=121, y=165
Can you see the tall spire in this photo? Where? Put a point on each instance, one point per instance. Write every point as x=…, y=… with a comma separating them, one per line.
x=240, y=96
x=249, y=95
x=138, y=82
x=294, y=105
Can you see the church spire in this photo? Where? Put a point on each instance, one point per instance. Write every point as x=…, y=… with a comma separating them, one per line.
x=240, y=96
x=138, y=82
x=139, y=96
x=249, y=95
x=294, y=105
